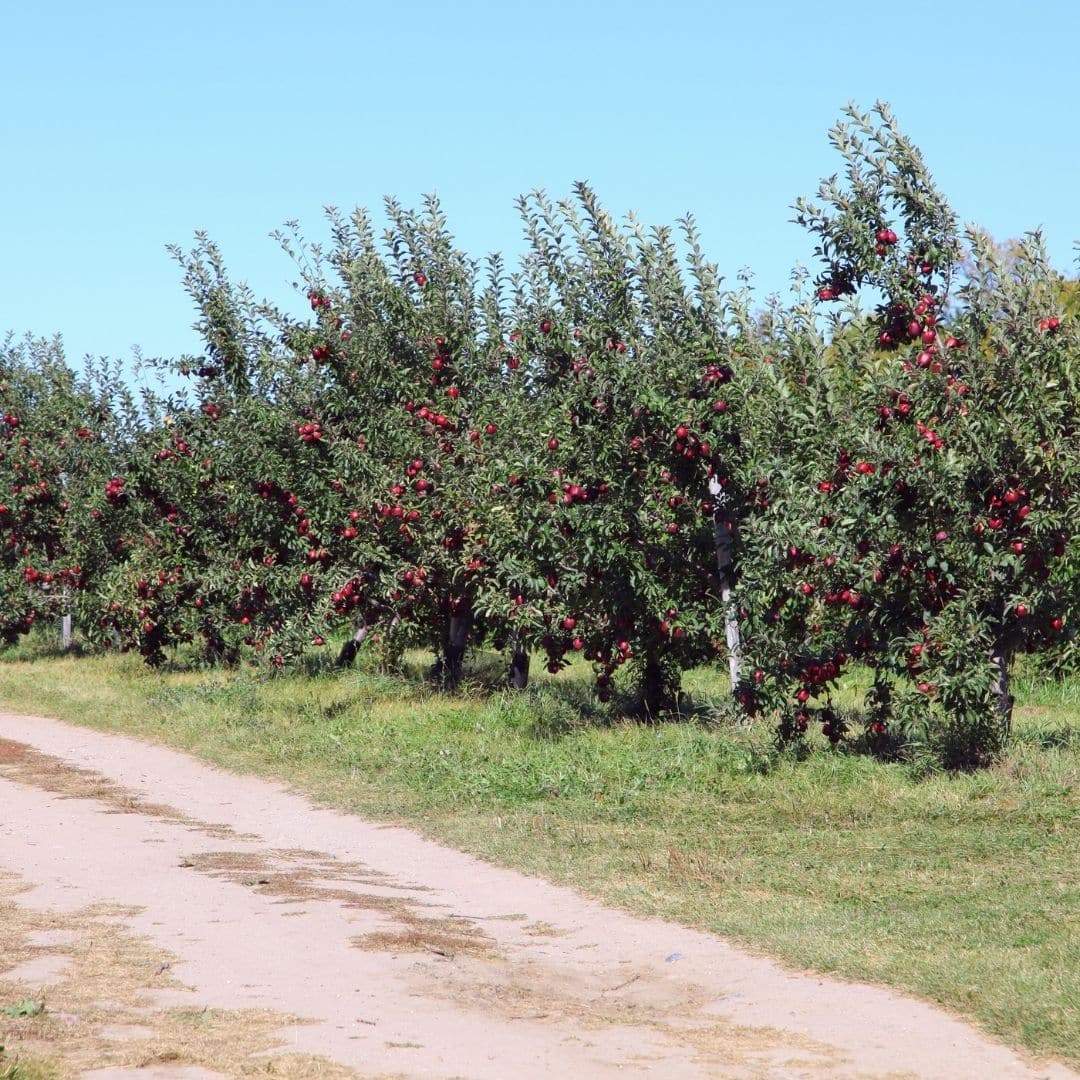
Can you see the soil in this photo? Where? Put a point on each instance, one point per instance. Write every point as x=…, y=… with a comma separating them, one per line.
x=161, y=919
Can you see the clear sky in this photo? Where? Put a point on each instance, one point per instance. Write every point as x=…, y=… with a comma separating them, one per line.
x=129, y=125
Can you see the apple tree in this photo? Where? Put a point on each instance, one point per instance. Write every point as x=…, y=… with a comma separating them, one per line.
x=925, y=527
x=625, y=367
x=57, y=431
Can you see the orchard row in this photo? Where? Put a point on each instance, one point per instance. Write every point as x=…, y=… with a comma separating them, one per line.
x=603, y=452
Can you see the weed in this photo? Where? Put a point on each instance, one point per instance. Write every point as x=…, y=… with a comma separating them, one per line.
x=26, y=1007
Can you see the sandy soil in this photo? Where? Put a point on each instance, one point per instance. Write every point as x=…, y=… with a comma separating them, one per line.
x=183, y=923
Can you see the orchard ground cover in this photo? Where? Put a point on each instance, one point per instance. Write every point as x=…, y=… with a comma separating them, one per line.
x=962, y=887
x=25, y=1070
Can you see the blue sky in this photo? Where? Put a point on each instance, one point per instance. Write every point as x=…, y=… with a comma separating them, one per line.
x=127, y=126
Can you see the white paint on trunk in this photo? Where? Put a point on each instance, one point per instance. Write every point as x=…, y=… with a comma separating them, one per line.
x=731, y=632
x=722, y=527
x=65, y=621
x=1001, y=656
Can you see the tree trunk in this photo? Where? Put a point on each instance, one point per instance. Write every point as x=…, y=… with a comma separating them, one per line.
x=1001, y=655
x=723, y=529
x=879, y=697
x=518, y=677
x=65, y=622
x=457, y=638
x=390, y=657
x=659, y=689
x=352, y=646
x=217, y=652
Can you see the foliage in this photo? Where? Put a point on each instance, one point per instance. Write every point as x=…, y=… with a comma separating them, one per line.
x=557, y=458
x=925, y=523
x=57, y=435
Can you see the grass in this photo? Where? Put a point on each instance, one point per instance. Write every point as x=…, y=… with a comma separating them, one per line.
x=961, y=888
x=26, y=1070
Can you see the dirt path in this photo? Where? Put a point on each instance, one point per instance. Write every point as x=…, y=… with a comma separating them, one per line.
x=181, y=923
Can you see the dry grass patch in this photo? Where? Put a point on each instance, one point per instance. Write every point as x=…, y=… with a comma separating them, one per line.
x=294, y=877
x=25, y=765
x=440, y=937
x=101, y=1010
x=678, y=1013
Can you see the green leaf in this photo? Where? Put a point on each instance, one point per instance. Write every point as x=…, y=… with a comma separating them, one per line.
x=26, y=1007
